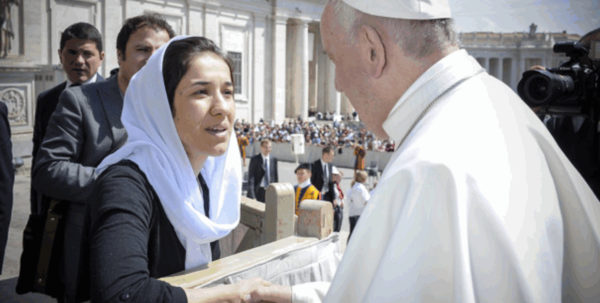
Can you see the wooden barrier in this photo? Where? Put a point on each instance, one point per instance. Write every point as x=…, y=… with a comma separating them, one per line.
x=314, y=222
x=262, y=223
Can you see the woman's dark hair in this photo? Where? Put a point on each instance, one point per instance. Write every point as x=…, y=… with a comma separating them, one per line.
x=178, y=57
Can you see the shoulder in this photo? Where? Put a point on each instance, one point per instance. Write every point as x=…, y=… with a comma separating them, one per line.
x=124, y=186
x=3, y=109
x=53, y=92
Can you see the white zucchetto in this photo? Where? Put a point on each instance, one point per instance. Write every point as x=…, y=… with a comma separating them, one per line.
x=404, y=9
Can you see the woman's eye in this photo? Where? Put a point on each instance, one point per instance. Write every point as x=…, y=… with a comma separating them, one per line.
x=228, y=92
x=202, y=92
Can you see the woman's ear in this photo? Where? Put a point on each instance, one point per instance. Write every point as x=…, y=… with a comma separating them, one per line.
x=372, y=50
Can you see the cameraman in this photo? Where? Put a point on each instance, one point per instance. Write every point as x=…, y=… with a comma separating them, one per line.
x=576, y=134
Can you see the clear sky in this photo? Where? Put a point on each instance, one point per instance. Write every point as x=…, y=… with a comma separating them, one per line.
x=574, y=16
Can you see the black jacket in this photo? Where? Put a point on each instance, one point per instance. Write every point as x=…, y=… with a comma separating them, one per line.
x=7, y=179
x=45, y=105
x=256, y=173
x=131, y=240
x=318, y=179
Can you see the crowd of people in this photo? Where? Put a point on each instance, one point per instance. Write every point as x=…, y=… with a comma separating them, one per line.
x=335, y=133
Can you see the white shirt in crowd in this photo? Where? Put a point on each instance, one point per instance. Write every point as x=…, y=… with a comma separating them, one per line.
x=478, y=204
x=358, y=196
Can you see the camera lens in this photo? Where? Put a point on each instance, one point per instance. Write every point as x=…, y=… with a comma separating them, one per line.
x=543, y=87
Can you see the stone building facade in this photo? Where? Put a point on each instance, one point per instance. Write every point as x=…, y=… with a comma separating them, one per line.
x=281, y=68
x=507, y=55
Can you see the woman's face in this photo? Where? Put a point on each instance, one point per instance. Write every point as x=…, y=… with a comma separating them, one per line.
x=204, y=106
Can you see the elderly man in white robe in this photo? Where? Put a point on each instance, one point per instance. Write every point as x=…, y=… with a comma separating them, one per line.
x=478, y=203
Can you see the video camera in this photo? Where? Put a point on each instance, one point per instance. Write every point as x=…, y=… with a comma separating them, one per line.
x=571, y=88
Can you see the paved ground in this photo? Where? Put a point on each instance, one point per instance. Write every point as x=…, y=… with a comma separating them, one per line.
x=21, y=213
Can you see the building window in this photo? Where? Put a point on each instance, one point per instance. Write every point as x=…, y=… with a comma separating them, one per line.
x=236, y=57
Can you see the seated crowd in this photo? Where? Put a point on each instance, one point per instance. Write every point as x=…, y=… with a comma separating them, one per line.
x=337, y=134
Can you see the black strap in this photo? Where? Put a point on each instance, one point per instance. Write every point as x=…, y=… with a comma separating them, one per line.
x=214, y=245
x=47, y=245
x=205, y=195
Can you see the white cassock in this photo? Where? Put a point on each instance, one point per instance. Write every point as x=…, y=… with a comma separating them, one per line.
x=478, y=204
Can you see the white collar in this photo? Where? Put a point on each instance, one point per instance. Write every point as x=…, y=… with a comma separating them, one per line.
x=433, y=82
x=265, y=158
x=305, y=183
x=91, y=80
x=322, y=163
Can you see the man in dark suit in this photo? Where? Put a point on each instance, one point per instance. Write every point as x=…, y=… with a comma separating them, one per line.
x=322, y=178
x=86, y=127
x=7, y=180
x=262, y=172
x=81, y=55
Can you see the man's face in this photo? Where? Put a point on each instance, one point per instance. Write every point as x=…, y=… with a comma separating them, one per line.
x=140, y=46
x=351, y=76
x=302, y=175
x=328, y=157
x=266, y=149
x=80, y=59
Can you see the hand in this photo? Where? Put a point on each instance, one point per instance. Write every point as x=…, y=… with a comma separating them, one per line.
x=537, y=67
x=334, y=203
x=272, y=293
x=246, y=288
x=342, y=205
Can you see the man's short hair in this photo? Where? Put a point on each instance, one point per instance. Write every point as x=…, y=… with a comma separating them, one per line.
x=328, y=149
x=81, y=31
x=264, y=142
x=417, y=38
x=154, y=21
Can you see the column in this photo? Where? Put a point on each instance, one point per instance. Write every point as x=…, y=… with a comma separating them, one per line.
x=333, y=100
x=300, y=68
x=486, y=64
x=500, y=68
x=276, y=110
x=260, y=72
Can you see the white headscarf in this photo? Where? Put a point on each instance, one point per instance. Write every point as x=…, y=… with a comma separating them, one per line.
x=154, y=145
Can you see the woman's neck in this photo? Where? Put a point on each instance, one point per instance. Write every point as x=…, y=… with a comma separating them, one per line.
x=197, y=161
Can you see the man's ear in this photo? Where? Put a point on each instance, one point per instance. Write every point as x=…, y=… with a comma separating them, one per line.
x=119, y=57
x=101, y=56
x=372, y=50
x=60, y=57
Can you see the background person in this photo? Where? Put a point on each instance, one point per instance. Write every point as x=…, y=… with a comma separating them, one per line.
x=81, y=54
x=304, y=189
x=165, y=198
x=7, y=180
x=321, y=176
x=262, y=172
x=338, y=202
x=358, y=197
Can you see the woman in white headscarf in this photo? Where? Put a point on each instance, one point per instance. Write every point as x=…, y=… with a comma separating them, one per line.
x=164, y=199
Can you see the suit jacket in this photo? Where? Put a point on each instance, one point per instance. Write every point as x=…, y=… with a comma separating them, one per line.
x=7, y=179
x=45, y=105
x=84, y=129
x=256, y=173
x=318, y=179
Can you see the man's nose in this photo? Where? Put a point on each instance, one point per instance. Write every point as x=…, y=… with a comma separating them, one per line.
x=79, y=60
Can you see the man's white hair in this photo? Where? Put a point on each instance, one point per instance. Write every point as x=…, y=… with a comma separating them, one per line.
x=417, y=38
